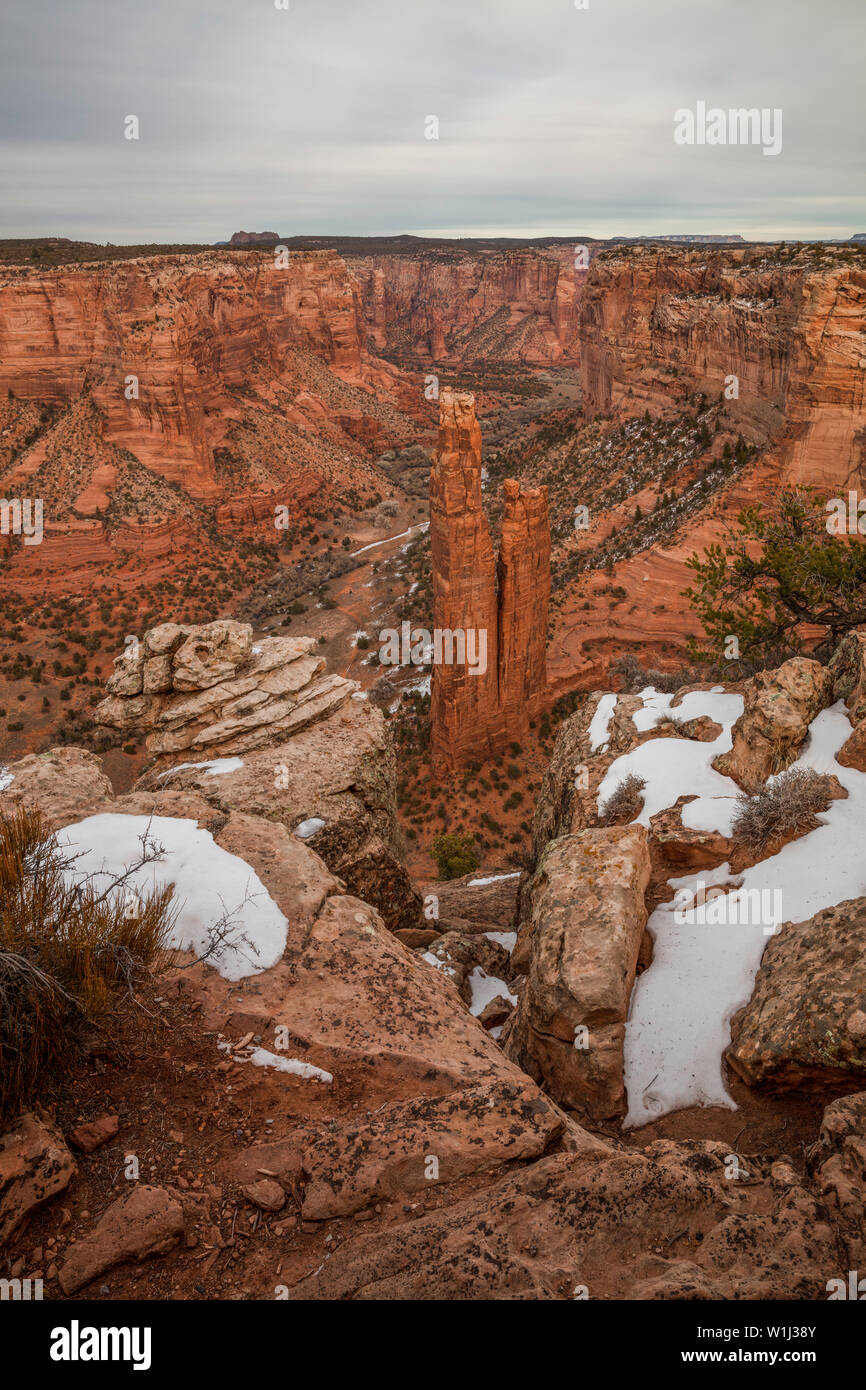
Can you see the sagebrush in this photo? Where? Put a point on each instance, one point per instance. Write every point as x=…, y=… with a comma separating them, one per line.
x=67, y=946
x=786, y=805
x=625, y=801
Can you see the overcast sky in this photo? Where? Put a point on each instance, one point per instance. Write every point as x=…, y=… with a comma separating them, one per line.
x=312, y=119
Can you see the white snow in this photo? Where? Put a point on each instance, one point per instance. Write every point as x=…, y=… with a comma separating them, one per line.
x=215, y=767
x=600, y=725
x=497, y=878
x=681, y=1007
x=260, y=1057
x=674, y=767
x=6, y=778
x=485, y=988
x=306, y=828
x=506, y=939
x=440, y=962
x=208, y=882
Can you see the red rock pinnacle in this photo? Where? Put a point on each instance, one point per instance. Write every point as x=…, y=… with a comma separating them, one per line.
x=476, y=711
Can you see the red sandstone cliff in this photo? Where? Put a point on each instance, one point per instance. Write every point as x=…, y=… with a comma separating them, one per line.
x=191, y=329
x=475, y=714
x=791, y=327
x=446, y=306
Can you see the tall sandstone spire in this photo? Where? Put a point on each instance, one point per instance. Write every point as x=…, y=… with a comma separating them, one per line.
x=473, y=715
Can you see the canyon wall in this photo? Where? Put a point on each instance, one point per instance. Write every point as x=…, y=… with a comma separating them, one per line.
x=654, y=324
x=190, y=329
x=475, y=714
x=445, y=306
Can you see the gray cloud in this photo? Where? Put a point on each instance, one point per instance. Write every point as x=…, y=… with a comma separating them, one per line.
x=311, y=120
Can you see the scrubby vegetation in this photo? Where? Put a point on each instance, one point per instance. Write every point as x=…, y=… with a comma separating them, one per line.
x=67, y=947
x=784, y=569
x=625, y=801
x=455, y=855
x=786, y=806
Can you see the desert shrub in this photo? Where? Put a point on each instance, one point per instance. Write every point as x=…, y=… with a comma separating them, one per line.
x=625, y=801
x=67, y=946
x=787, y=804
x=455, y=855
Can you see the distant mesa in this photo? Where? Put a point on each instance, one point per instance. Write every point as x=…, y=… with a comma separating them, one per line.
x=254, y=239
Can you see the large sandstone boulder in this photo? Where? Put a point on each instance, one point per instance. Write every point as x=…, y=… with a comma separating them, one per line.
x=333, y=782
x=65, y=784
x=587, y=921
x=208, y=690
x=408, y=1146
x=35, y=1167
x=779, y=707
x=806, y=1020
x=264, y=730
x=478, y=902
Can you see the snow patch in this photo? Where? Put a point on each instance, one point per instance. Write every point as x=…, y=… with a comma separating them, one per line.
x=260, y=1057
x=497, y=878
x=208, y=882
x=600, y=725
x=486, y=988
x=681, y=1007
x=506, y=939
x=306, y=828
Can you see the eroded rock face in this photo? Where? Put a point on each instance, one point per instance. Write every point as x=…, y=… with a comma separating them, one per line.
x=848, y=669
x=516, y=305
x=204, y=689
x=806, y=1020
x=412, y=1145
x=779, y=707
x=587, y=921
x=35, y=1167
x=474, y=713
x=601, y=1223
x=524, y=597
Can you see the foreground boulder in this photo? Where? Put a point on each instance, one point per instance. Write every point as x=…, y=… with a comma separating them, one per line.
x=412, y=1145
x=806, y=1020
x=848, y=668
x=779, y=707
x=585, y=929
x=64, y=784
x=478, y=902
x=206, y=687
x=145, y=1221
x=35, y=1167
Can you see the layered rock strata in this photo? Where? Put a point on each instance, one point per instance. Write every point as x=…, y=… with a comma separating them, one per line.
x=313, y=757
